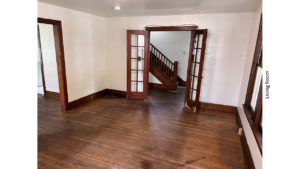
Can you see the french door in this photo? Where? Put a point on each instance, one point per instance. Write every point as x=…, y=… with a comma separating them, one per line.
x=137, y=64
x=195, y=69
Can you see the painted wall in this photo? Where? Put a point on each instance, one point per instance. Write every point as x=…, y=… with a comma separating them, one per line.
x=84, y=46
x=175, y=45
x=92, y=42
x=227, y=44
x=257, y=157
x=49, y=57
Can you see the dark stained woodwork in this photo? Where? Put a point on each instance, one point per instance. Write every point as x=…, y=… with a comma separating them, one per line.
x=160, y=87
x=60, y=59
x=171, y=28
x=86, y=99
x=114, y=92
x=91, y=97
x=163, y=69
x=255, y=62
x=256, y=130
x=53, y=95
x=144, y=93
x=254, y=117
x=195, y=105
x=157, y=133
x=248, y=161
x=217, y=107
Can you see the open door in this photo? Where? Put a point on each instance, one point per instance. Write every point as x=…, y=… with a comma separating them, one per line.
x=195, y=69
x=137, y=64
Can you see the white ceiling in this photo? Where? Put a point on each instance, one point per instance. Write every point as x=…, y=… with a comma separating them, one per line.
x=157, y=7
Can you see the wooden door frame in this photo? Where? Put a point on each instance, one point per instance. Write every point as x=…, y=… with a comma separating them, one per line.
x=168, y=28
x=182, y=28
x=60, y=59
x=171, y=28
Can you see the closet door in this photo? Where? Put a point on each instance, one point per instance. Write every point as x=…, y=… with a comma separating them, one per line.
x=137, y=64
x=195, y=69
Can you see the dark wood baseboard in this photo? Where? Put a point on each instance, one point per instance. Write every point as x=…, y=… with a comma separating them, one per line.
x=99, y=94
x=53, y=95
x=161, y=87
x=85, y=99
x=248, y=161
x=217, y=107
x=114, y=92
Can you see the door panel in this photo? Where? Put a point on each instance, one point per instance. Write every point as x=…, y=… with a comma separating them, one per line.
x=137, y=64
x=195, y=69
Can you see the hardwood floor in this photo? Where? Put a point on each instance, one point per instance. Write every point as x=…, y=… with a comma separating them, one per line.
x=116, y=133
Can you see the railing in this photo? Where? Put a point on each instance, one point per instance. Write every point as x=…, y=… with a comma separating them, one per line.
x=161, y=62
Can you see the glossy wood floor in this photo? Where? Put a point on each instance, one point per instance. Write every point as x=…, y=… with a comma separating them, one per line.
x=115, y=133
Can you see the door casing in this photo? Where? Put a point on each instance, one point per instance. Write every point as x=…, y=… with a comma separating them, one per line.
x=60, y=59
x=193, y=29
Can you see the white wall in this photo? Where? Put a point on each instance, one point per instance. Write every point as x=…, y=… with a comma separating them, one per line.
x=84, y=47
x=92, y=42
x=175, y=45
x=227, y=43
x=49, y=57
x=255, y=153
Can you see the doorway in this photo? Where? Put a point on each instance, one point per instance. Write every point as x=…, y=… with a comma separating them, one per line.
x=51, y=62
x=41, y=79
x=194, y=71
x=47, y=66
x=168, y=77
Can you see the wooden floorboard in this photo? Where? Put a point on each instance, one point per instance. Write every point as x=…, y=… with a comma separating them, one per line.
x=157, y=133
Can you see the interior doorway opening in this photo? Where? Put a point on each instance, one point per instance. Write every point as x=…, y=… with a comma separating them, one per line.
x=51, y=62
x=172, y=48
x=40, y=81
x=48, y=84
x=142, y=54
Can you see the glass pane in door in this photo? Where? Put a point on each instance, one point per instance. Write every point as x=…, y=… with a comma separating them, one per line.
x=137, y=62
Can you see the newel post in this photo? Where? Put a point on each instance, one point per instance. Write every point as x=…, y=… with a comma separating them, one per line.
x=175, y=71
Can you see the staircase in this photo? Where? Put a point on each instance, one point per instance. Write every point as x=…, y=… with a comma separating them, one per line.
x=163, y=69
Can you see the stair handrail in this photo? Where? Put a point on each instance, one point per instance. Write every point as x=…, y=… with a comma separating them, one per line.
x=164, y=63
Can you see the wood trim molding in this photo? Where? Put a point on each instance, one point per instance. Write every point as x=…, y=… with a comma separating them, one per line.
x=48, y=21
x=86, y=99
x=60, y=59
x=160, y=86
x=53, y=95
x=254, y=114
x=257, y=132
x=114, y=92
x=91, y=97
x=255, y=61
x=217, y=107
x=171, y=28
x=248, y=161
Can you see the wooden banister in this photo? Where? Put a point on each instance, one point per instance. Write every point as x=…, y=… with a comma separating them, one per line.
x=163, y=63
x=163, y=68
x=160, y=53
x=175, y=74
